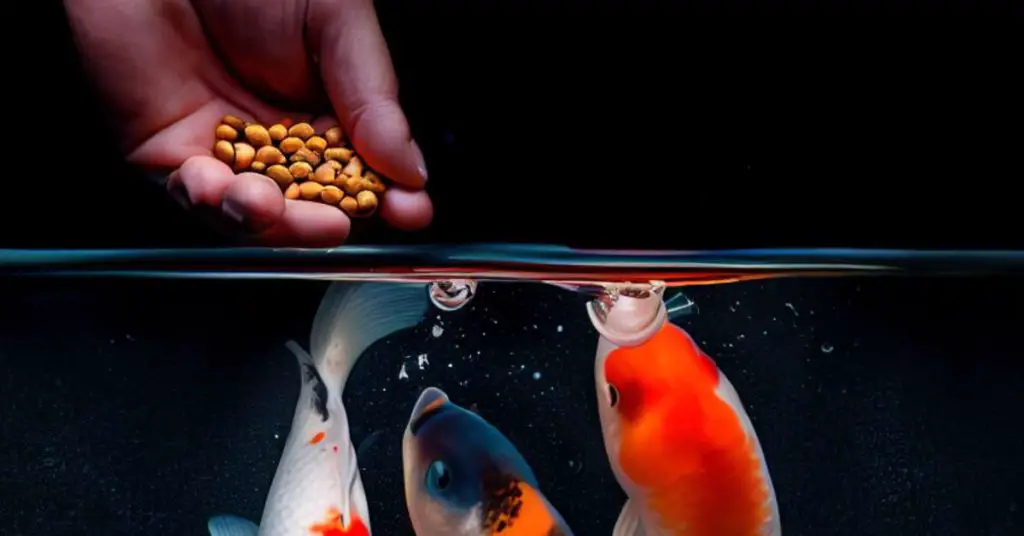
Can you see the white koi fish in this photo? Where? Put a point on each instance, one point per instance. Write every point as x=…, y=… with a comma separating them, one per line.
x=317, y=489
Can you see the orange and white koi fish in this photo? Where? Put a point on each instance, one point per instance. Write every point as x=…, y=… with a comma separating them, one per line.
x=317, y=489
x=463, y=477
x=677, y=436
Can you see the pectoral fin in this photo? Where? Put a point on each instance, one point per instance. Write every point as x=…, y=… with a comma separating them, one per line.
x=228, y=525
x=629, y=523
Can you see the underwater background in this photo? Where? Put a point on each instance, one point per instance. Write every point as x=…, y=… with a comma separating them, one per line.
x=884, y=406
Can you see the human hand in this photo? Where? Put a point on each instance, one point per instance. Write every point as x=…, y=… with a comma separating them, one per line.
x=171, y=69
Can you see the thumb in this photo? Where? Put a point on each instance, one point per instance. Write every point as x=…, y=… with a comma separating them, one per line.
x=360, y=80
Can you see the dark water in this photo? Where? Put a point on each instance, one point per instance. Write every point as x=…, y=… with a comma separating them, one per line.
x=884, y=406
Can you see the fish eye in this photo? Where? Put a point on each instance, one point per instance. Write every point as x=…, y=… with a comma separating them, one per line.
x=613, y=395
x=438, y=476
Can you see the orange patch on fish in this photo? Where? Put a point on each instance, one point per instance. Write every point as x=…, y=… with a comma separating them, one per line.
x=318, y=437
x=519, y=510
x=682, y=443
x=432, y=406
x=333, y=526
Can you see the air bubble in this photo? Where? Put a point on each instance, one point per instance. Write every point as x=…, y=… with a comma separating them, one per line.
x=452, y=294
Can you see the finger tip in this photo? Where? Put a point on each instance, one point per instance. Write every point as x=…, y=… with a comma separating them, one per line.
x=309, y=224
x=381, y=134
x=203, y=180
x=402, y=163
x=324, y=122
x=407, y=210
x=253, y=201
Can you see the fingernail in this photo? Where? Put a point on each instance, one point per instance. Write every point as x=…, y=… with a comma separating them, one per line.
x=249, y=221
x=179, y=195
x=233, y=211
x=421, y=164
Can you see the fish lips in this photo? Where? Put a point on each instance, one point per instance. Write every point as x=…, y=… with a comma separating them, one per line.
x=430, y=400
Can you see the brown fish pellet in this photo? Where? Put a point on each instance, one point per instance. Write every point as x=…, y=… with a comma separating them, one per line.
x=339, y=154
x=226, y=132
x=367, y=203
x=300, y=170
x=305, y=155
x=290, y=145
x=303, y=131
x=233, y=122
x=354, y=167
x=277, y=132
x=325, y=174
x=244, y=155
x=310, y=190
x=270, y=155
x=316, y=143
x=309, y=166
x=280, y=174
x=257, y=135
x=349, y=205
x=331, y=195
x=224, y=151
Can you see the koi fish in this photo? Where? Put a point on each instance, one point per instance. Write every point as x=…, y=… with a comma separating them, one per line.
x=317, y=489
x=463, y=477
x=677, y=436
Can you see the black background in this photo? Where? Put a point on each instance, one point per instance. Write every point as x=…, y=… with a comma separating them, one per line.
x=632, y=124
x=144, y=407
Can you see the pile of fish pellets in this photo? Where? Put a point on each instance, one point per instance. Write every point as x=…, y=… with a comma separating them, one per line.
x=314, y=166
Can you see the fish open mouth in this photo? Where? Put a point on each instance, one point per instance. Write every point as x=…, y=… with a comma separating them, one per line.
x=628, y=316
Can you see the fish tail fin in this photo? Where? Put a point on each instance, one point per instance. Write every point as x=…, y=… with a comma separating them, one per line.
x=353, y=316
x=229, y=525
